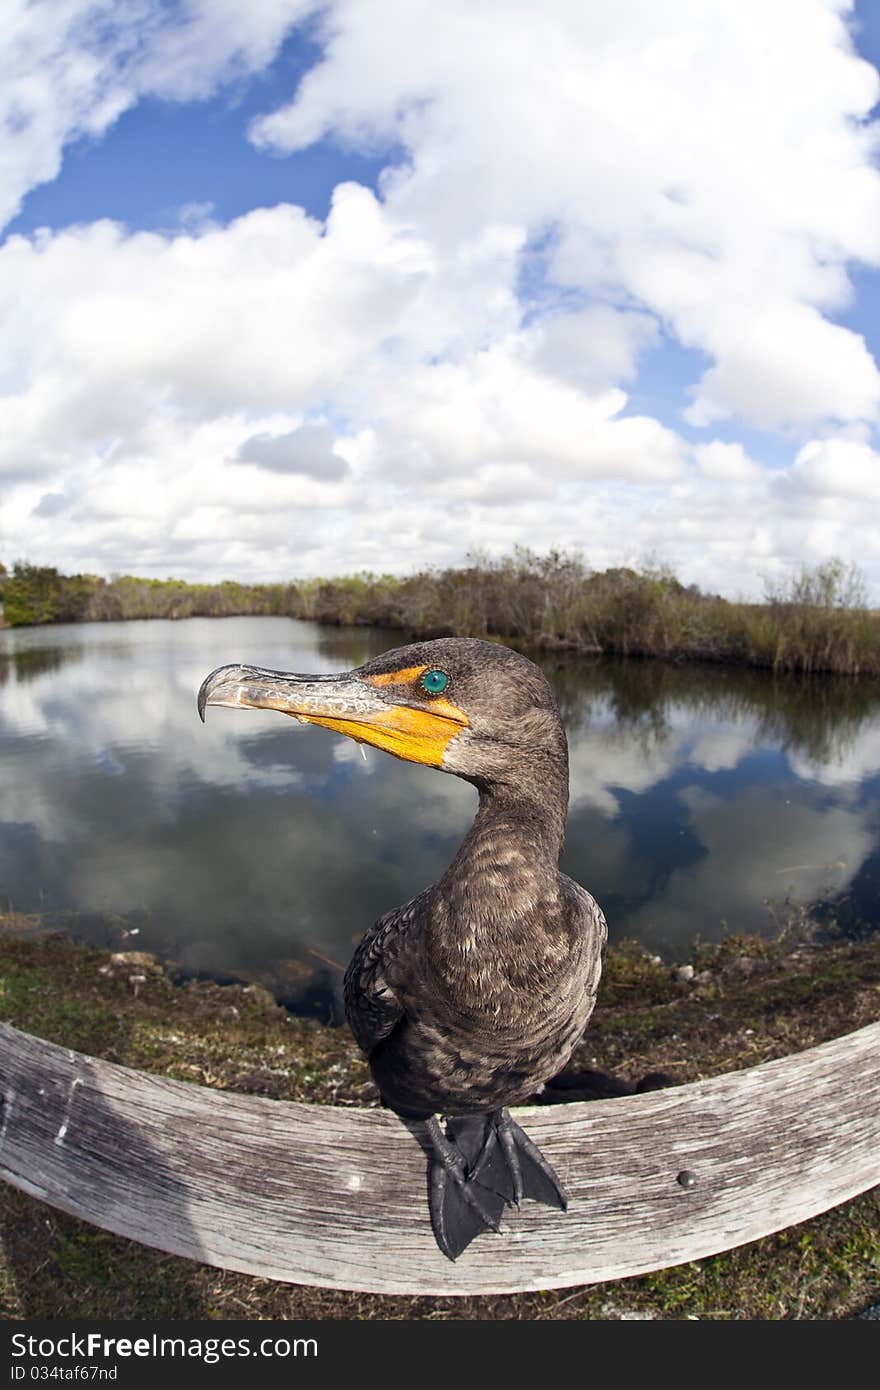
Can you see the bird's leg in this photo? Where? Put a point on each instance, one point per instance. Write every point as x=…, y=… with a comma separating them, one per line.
x=460, y=1206
x=503, y=1126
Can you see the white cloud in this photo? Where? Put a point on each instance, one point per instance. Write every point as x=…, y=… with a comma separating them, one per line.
x=710, y=162
x=582, y=186
x=127, y=350
x=596, y=347
x=113, y=337
x=68, y=70
x=268, y=312
x=495, y=405
x=726, y=463
x=838, y=468
x=308, y=449
x=782, y=364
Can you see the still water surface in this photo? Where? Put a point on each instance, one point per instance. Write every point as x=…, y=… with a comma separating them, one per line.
x=259, y=848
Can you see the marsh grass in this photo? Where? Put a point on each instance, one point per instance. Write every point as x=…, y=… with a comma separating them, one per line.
x=817, y=622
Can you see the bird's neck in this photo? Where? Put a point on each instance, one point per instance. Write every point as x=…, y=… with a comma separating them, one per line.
x=498, y=915
x=533, y=817
x=515, y=841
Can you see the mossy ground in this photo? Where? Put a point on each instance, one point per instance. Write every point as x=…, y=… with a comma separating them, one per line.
x=747, y=1001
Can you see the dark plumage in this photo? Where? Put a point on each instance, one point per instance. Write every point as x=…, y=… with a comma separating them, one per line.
x=473, y=995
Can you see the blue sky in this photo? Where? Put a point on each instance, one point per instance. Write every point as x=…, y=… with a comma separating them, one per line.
x=162, y=154
x=297, y=291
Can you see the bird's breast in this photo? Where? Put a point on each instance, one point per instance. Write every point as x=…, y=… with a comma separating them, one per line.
x=500, y=977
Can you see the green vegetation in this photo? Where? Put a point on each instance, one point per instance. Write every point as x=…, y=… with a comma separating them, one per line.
x=746, y=1001
x=33, y=595
x=818, y=622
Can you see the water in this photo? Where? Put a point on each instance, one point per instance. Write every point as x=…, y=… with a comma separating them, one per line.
x=253, y=847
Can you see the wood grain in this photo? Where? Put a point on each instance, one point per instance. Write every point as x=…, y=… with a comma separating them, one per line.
x=337, y=1197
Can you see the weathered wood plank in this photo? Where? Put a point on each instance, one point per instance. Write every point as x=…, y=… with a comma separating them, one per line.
x=337, y=1197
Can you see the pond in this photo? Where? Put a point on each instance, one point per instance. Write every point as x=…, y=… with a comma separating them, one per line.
x=703, y=801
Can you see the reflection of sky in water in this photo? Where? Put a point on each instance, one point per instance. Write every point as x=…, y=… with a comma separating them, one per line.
x=247, y=844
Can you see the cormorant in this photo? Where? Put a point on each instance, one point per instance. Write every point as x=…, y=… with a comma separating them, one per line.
x=472, y=996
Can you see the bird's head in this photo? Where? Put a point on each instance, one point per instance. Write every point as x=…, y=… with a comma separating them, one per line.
x=472, y=708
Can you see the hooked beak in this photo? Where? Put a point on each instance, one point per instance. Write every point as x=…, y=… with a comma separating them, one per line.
x=374, y=713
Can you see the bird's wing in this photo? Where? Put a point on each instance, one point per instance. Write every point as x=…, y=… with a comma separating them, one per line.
x=595, y=937
x=372, y=1007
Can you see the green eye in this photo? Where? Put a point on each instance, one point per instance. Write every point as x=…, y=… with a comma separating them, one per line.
x=435, y=682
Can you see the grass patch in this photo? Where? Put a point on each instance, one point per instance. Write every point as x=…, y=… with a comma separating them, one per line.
x=746, y=1001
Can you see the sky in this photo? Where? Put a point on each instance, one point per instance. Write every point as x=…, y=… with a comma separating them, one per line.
x=294, y=289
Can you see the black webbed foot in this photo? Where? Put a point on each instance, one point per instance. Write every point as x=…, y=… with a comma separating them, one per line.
x=530, y=1175
x=486, y=1163
x=461, y=1206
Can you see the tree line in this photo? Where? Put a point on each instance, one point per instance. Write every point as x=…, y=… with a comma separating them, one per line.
x=817, y=621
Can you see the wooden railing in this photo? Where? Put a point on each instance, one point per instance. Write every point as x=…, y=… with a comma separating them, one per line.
x=331, y=1196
